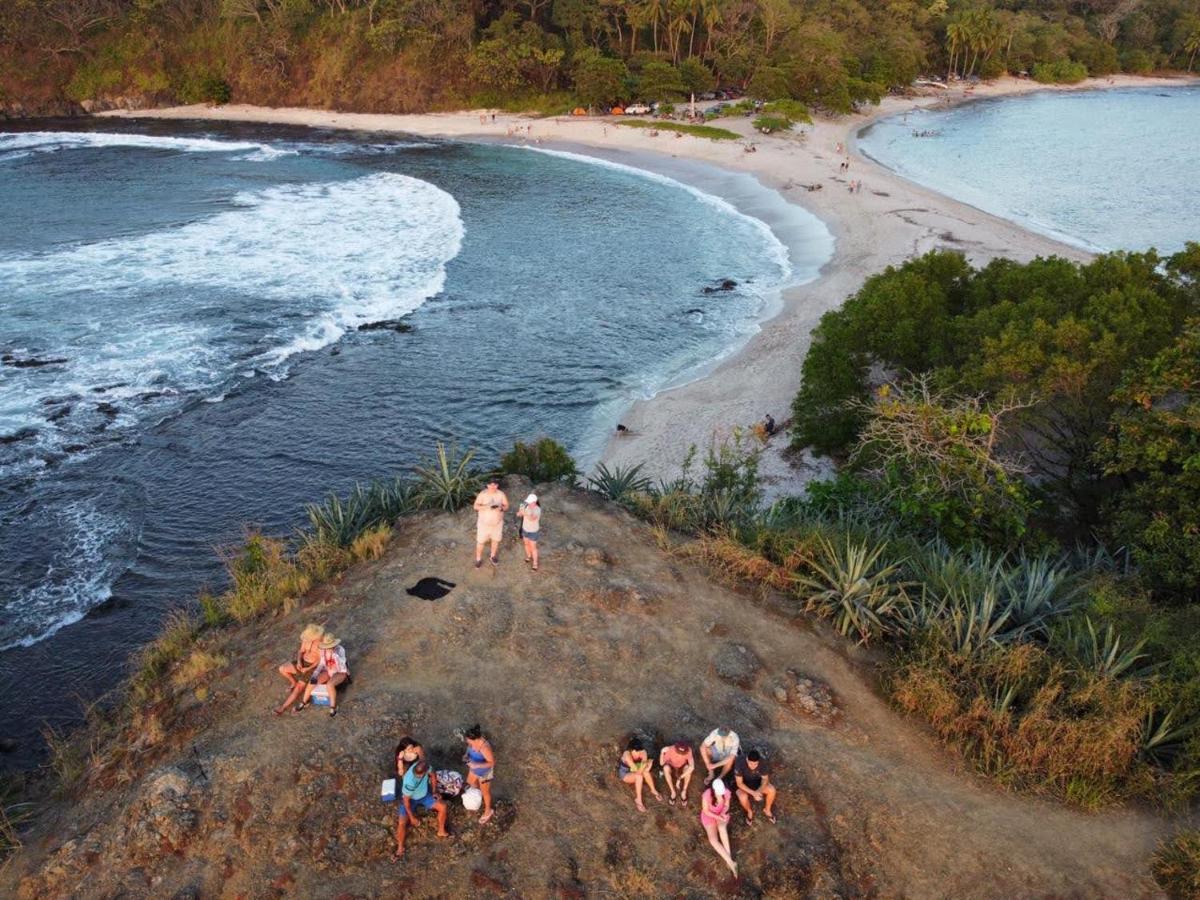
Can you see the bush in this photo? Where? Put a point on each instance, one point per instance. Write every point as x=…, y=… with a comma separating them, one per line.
x=448, y=482
x=1138, y=62
x=1176, y=866
x=705, y=131
x=856, y=585
x=1062, y=71
x=541, y=462
x=769, y=124
x=620, y=483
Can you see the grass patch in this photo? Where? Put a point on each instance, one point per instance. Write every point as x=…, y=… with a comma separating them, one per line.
x=705, y=131
x=1176, y=866
x=197, y=665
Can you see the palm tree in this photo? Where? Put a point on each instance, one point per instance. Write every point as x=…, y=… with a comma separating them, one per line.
x=1191, y=46
x=956, y=36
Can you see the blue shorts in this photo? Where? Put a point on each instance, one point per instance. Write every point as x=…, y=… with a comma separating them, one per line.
x=429, y=801
x=529, y=535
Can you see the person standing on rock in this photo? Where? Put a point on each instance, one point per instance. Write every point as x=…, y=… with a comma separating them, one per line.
x=719, y=752
x=714, y=816
x=530, y=514
x=481, y=767
x=677, y=762
x=754, y=785
x=491, y=505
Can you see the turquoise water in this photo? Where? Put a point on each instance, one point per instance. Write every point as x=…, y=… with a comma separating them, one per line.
x=181, y=353
x=1103, y=170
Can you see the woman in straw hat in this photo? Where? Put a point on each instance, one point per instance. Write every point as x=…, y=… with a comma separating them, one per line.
x=331, y=671
x=298, y=671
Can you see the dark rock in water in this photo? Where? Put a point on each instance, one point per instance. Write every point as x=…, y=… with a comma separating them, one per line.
x=725, y=284
x=397, y=325
x=23, y=434
x=74, y=448
x=107, y=409
x=61, y=413
x=30, y=362
x=109, y=387
x=430, y=589
x=335, y=351
x=693, y=311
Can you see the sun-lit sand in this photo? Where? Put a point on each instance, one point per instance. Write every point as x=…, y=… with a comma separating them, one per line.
x=888, y=221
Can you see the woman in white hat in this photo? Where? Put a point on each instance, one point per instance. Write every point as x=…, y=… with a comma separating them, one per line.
x=530, y=514
x=331, y=672
x=714, y=816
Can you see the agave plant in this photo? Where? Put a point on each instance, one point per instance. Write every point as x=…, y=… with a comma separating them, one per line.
x=339, y=522
x=392, y=499
x=619, y=482
x=1163, y=738
x=1037, y=591
x=976, y=620
x=1100, y=652
x=447, y=481
x=855, y=587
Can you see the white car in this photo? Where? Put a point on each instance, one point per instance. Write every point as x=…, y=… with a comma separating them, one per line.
x=637, y=109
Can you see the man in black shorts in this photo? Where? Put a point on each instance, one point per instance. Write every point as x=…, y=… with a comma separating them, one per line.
x=754, y=785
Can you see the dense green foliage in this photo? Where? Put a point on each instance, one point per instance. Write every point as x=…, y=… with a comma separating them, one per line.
x=705, y=131
x=403, y=55
x=1093, y=366
x=540, y=462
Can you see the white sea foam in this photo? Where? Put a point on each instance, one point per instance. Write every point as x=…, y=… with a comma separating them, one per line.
x=779, y=252
x=50, y=141
x=78, y=577
x=302, y=265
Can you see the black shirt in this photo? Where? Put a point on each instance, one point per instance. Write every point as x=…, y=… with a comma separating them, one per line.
x=752, y=780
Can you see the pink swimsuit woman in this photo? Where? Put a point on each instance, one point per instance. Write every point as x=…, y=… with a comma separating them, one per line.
x=719, y=809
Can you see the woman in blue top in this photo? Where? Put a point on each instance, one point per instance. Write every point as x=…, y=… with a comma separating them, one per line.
x=418, y=788
x=481, y=763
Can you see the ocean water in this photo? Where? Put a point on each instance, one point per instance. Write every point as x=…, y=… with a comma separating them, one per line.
x=181, y=354
x=1103, y=170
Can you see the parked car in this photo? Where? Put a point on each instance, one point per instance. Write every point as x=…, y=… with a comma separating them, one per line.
x=637, y=109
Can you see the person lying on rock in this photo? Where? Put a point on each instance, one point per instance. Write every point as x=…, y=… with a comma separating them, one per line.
x=299, y=670
x=714, y=817
x=754, y=786
x=331, y=672
x=408, y=751
x=419, y=790
x=677, y=762
x=637, y=768
x=481, y=765
x=718, y=753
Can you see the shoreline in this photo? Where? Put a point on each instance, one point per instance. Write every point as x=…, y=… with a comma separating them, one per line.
x=891, y=220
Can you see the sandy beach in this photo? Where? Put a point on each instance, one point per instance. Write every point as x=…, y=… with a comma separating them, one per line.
x=890, y=220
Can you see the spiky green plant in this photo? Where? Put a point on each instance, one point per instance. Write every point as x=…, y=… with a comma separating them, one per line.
x=1100, y=652
x=392, y=499
x=1037, y=591
x=339, y=522
x=853, y=585
x=447, y=481
x=976, y=620
x=620, y=482
x=1164, y=737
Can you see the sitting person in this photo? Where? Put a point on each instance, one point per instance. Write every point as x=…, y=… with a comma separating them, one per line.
x=677, y=762
x=408, y=751
x=718, y=753
x=636, y=768
x=481, y=766
x=714, y=816
x=331, y=672
x=419, y=789
x=754, y=784
x=769, y=424
x=298, y=672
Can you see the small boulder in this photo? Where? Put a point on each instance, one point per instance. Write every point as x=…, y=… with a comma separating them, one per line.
x=165, y=814
x=737, y=664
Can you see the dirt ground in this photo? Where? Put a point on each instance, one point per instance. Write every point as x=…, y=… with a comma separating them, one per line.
x=612, y=636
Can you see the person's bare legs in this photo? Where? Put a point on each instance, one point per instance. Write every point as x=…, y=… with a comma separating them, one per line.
x=649, y=779
x=635, y=778
x=715, y=840
x=495, y=551
x=744, y=800
x=669, y=782
x=440, y=808
x=297, y=690
x=533, y=545
x=401, y=834
x=723, y=831
x=485, y=788
x=479, y=552
x=768, y=793
x=685, y=781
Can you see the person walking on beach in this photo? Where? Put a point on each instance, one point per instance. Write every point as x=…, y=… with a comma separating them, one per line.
x=530, y=514
x=714, y=816
x=491, y=505
x=481, y=767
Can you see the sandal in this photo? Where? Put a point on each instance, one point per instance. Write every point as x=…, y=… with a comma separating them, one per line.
x=672, y=801
x=299, y=707
x=332, y=711
x=770, y=818
x=486, y=817
x=535, y=568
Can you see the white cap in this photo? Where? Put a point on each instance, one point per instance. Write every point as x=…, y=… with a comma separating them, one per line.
x=718, y=787
x=532, y=498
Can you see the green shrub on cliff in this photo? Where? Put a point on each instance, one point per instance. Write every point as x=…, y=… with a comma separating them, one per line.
x=1060, y=71
x=543, y=461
